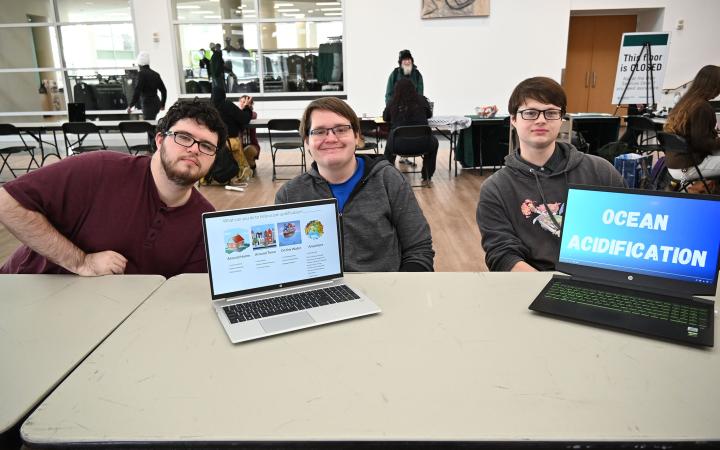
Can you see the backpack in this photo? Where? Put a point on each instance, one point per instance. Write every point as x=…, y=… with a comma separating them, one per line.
x=224, y=169
x=614, y=149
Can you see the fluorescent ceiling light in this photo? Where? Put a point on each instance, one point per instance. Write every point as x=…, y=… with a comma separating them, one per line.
x=328, y=3
x=188, y=7
x=288, y=10
x=333, y=14
x=203, y=11
x=298, y=16
x=211, y=17
x=282, y=5
x=330, y=9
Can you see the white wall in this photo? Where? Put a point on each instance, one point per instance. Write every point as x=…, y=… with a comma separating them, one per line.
x=465, y=62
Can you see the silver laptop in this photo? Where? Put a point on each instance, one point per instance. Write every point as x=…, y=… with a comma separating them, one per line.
x=278, y=268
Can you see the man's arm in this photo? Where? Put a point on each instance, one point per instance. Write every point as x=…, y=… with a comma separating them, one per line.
x=163, y=93
x=504, y=251
x=390, y=87
x=34, y=230
x=420, y=85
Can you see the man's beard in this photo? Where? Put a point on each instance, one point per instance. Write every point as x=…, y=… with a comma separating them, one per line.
x=407, y=69
x=177, y=177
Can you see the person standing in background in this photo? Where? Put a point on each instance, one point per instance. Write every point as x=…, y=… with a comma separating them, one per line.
x=217, y=67
x=204, y=62
x=148, y=83
x=406, y=69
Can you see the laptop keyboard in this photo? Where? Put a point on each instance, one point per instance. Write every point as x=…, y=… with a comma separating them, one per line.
x=241, y=312
x=646, y=307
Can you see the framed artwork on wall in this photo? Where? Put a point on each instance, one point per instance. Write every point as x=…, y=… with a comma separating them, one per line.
x=435, y=9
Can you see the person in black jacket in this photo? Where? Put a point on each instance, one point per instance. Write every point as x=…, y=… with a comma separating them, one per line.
x=407, y=107
x=217, y=67
x=148, y=83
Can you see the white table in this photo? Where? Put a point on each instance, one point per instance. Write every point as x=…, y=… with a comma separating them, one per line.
x=452, y=357
x=49, y=323
x=453, y=124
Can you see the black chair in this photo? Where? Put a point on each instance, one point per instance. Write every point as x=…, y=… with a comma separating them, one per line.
x=6, y=153
x=295, y=142
x=673, y=143
x=75, y=134
x=137, y=127
x=368, y=128
x=411, y=141
x=641, y=130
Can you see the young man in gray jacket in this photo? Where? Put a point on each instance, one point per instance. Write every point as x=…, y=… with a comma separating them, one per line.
x=384, y=229
x=522, y=205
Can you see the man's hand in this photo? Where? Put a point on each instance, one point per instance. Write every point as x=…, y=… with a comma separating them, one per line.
x=129, y=109
x=102, y=263
x=244, y=101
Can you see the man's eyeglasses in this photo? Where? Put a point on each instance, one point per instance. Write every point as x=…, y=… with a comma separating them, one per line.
x=188, y=141
x=338, y=131
x=532, y=114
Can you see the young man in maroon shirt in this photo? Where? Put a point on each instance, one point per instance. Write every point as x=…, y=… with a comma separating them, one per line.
x=109, y=213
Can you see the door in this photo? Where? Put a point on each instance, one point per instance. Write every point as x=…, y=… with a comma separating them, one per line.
x=593, y=49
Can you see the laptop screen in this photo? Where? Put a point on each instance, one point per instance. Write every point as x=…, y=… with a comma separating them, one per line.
x=653, y=235
x=270, y=247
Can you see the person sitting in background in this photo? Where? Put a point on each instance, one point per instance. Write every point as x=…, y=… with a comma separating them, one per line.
x=384, y=229
x=105, y=212
x=407, y=107
x=521, y=205
x=694, y=119
x=148, y=83
x=236, y=118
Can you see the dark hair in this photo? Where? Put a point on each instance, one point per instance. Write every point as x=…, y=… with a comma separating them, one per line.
x=200, y=111
x=332, y=104
x=541, y=89
x=404, y=100
x=705, y=86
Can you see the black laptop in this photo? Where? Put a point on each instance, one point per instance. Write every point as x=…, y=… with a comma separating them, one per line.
x=636, y=260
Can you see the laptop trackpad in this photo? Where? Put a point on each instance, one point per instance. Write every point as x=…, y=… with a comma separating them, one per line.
x=286, y=322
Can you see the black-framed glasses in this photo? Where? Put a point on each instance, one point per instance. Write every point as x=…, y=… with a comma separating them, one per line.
x=188, y=141
x=532, y=114
x=338, y=131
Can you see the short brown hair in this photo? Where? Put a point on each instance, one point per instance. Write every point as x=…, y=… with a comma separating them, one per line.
x=332, y=104
x=541, y=89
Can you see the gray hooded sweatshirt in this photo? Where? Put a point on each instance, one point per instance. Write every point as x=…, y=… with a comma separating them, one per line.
x=383, y=227
x=513, y=215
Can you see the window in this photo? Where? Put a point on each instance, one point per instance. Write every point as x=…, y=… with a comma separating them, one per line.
x=44, y=55
x=267, y=46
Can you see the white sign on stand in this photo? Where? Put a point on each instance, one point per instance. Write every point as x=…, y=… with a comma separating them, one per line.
x=641, y=68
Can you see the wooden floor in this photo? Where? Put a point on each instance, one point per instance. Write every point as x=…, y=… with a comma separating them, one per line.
x=449, y=207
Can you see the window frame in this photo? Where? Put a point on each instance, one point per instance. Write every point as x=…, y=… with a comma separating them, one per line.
x=301, y=95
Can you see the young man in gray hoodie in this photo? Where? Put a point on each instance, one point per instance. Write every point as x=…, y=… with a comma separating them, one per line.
x=384, y=229
x=522, y=205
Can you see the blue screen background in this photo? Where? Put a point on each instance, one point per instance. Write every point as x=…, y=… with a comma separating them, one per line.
x=693, y=223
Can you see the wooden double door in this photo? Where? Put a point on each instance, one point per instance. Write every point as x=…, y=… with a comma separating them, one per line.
x=591, y=65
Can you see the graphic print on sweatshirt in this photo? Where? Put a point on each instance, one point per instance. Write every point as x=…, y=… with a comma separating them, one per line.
x=536, y=212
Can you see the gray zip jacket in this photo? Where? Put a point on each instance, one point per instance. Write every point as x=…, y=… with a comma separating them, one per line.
x=519, y=202
x=383, y=227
